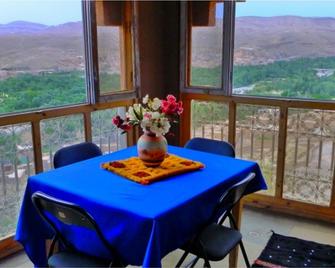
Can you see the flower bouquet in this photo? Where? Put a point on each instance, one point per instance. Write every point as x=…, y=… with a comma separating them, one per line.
x=155, y=117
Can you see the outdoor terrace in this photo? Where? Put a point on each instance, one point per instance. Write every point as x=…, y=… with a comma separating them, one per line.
x=158, y=52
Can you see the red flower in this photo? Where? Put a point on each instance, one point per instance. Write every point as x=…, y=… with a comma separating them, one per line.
x=125, y=127
x=117, y=121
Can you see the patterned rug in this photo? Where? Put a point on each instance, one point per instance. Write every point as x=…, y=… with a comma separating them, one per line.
x=285, y=251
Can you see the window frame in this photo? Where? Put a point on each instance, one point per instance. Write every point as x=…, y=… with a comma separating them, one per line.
x=227, y=59
x=226, y=53
x=127, y=51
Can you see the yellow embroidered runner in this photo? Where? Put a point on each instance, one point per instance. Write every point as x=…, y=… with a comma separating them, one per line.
x=134, y=169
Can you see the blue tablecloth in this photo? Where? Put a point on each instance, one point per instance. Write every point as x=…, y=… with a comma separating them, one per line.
x=143, y=222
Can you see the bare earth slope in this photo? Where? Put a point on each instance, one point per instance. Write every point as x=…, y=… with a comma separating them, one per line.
x=262, y=40
x=33, y=47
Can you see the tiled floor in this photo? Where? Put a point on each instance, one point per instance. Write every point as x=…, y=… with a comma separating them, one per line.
x=256, y=229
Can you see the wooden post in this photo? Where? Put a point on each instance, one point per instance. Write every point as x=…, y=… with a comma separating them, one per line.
x=185, y=122
x=281, y=151
x=88, y=126
x=36, y=134
x=232, y=123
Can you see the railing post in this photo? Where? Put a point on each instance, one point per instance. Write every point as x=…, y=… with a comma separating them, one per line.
x=88, y=126
x=185, y=123
x=283, y=115
x=232, y=123
x=332, y=197
x=36, y=134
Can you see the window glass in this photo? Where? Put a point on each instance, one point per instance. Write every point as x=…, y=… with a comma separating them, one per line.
x=41, y=55
x=104, y=133
x=16, y=165
x=109, y=58
x=285, y=49
x=206, y=44
x=60, y=132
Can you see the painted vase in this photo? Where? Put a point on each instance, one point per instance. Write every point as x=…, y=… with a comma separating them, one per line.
x=151, y=149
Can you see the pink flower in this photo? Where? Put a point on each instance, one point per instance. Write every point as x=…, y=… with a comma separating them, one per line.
x=169, y=107
x=180, y=108
x=147, y=115
x=171, y=98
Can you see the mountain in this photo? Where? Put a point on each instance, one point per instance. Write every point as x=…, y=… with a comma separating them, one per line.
x=267, y=39
x=17, y=27
x=260, y=40
x=33, y=47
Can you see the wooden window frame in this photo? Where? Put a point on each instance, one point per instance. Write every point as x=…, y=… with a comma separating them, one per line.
x=226, y=53
x=127, y=50
x=227, y=65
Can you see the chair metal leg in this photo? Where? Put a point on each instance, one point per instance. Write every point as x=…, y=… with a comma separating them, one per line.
x=181, y=260
x=194, y=262
x=52, y=246
x=207, y=264
x=244, y=253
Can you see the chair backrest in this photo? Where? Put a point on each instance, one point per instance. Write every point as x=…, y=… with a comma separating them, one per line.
x=231, y=196
x=211, y=146
x=75, y=153
x=68, y=214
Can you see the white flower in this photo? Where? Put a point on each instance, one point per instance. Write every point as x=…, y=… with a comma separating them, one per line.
x=155, y=115
x=165, y=125
x=156, y=103
x=145, y=99
x=135, y=112
x=159, y=127
x=146, y=123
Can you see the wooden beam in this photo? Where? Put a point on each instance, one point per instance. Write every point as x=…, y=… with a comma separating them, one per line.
x=203, y=13
x=266, y=101
x=88, y=126
x=332, y=202
x=232, y=123
x=293, y=207
x=281, y=151
x=9, y=246
x=126, y=46
x=36, y=135
x=185, y=123
x=109, y=13
x=60, y=111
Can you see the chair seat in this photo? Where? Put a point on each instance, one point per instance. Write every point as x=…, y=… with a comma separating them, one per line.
x=70, y=259
x=215, y=242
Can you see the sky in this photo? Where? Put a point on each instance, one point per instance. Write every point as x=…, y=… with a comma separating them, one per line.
x=53, y=12
x=48, y=12
x=267, y=8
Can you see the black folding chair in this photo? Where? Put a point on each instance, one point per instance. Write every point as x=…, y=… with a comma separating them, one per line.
x=211, y=146
x=75, y=153
x=71, y=215
x=215, y=241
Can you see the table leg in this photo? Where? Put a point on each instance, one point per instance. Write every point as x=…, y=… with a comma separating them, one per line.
x=237, y=214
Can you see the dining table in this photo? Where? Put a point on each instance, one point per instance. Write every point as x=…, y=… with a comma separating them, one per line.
x=142, y=222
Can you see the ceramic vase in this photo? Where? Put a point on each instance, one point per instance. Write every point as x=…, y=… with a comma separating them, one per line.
x=151, y=149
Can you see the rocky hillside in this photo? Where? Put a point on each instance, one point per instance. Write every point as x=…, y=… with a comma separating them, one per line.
x=262, y=40
x=36, y=47
x=32, y=47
